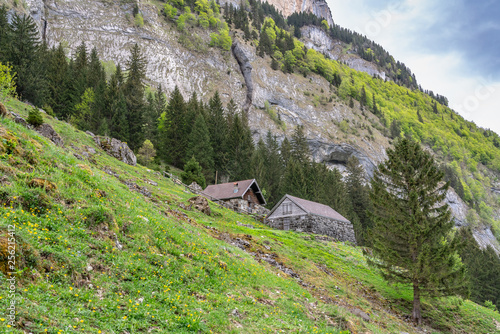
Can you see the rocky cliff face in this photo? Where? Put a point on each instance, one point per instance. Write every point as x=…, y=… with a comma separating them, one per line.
x=288, y=7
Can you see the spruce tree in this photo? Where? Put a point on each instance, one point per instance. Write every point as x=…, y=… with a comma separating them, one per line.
x=61, y=92
x=240, y=149
x=27, y=60
x=173, y=138
x=193, y=173
x=217, y=125
x=360, y=200
x=300, y=147
x=411, y=235
x=134, y=96
x=199, y=147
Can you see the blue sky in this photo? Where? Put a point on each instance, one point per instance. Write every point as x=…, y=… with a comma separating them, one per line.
x=453, y=47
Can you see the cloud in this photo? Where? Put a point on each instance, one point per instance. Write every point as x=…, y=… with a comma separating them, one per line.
x=453, y=47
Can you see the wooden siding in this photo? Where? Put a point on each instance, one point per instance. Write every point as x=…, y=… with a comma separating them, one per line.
x=251, y=197
x=278, y=213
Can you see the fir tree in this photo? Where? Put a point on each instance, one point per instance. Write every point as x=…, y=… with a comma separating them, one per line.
x=300, y=147
x=410, y=237
x=240, y=149
x=199, y=147
x=217, y=125
x=61, y=92
x=134, y=96
x=173, y=138
x=360, y=200
x=193, y=173
x=27, y=60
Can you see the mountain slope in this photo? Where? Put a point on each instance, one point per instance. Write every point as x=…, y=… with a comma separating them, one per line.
x=335, y=127
x=104, y=246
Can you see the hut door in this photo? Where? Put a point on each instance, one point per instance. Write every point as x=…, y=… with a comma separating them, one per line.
x=286, y=224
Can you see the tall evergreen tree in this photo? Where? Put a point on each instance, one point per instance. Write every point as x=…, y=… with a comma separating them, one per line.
x=300, y=147
x=240, y=149
x=360, y=200
x=410, y=237
x=134, y=96
x=217, y=125
x=61, y=93
x=173, y=138
x=27, y=60
x=199, y=147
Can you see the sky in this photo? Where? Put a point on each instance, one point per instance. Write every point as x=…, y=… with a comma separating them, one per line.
x=452, y=47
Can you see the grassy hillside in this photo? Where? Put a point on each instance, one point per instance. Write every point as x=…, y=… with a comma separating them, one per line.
x=97, y=257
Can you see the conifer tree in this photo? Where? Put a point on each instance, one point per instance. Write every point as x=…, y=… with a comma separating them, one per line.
x=240, y=149
x=411, y=235
x=217, y=125
x=61, y=97
x=360, y=200
x=199, y=147
x=119, y=124
x=134, y=96
x=27, y=60
x=300, y=147
x=193, y=173
x=173, y=138
x=286, y=151
x=4, y=35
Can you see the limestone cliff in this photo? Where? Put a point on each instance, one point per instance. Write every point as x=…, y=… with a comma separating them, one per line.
x=288, y=7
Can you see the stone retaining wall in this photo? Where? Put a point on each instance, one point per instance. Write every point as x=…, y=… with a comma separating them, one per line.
x=341, y=231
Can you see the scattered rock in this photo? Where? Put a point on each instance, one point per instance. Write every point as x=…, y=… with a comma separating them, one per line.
x=19, y=120
x=153, y=183
x=361, y=314
x=110, y=172
x=90, y=133
x=235, y=313
x=90, y=150
x=245, y=225
x=47, y=131
x=200, y=203
x=142, y=190
x=41, y=183
x=119, y=246
x=89, y=268
x=4, y=180
x=78, y=156
x=195, y=188
x=116, y=149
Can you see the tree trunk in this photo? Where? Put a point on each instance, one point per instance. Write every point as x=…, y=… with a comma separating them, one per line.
x=416, y=304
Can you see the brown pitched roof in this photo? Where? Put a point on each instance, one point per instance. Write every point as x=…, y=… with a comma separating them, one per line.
x=317, y=208
x=226, y=190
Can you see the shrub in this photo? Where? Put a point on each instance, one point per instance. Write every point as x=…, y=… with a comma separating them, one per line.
x=139, y=20
x=35, y=117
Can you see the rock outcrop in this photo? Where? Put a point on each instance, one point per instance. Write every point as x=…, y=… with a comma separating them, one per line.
x=48, y=132
x=116, y=149
x=338, y=154
x=317, y=39
x=458, y=207
x=246, y=71
x=200, y=203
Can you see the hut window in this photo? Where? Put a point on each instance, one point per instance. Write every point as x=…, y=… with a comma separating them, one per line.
x=287, y=208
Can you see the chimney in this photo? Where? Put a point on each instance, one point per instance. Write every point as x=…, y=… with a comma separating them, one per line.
x=235, y=187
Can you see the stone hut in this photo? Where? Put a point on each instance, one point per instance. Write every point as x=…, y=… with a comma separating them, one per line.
x=293, y=213
x=241, y=196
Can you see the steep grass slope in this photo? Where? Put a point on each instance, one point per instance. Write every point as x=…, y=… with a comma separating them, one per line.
x=103, y=247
